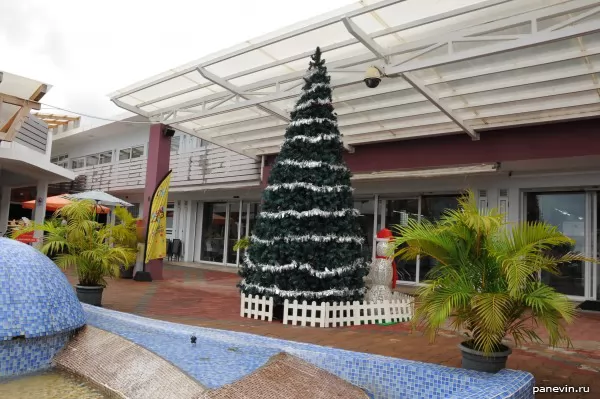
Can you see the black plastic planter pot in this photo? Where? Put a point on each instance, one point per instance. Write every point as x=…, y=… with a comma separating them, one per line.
x=475, y=360
x=126, y=273
x=89, y=295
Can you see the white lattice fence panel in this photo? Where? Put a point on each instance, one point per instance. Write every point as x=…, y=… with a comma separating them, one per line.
x=312, y=314
x=401, y=309
x=335, y=314
x=373, y=312
x=342, y=314
x=257, y=307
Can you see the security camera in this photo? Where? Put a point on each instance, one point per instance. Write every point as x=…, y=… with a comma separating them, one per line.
x=373, y=77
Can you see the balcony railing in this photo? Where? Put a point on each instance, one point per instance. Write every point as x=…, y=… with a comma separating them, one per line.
x=203, y=166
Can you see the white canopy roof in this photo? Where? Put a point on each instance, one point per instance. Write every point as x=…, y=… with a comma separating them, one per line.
x=450, y=66
x=18, y=95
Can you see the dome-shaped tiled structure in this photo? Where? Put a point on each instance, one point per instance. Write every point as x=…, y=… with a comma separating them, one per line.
x=36, y=298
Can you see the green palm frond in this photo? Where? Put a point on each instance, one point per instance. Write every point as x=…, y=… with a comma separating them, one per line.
x=486, y=276
x=124, y=231
x=94, y=250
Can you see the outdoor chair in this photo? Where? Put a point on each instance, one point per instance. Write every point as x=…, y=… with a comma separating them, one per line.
x=176, y=249
x=169, y=249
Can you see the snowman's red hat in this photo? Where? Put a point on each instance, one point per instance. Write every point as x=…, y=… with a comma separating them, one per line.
x=385, y=234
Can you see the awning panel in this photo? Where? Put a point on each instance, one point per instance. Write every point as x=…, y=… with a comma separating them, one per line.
x=457, y=66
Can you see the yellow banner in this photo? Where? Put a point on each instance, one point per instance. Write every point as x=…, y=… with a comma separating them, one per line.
x=156, y=238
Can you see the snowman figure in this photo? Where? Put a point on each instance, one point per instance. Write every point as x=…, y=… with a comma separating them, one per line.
x=382, y=273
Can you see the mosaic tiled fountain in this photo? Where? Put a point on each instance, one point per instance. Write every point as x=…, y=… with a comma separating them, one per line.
x=38, y=309
x=126, y=356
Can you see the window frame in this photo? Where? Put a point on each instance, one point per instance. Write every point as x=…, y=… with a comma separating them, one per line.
x=178, y=141
x=88, y=157
x=58, y=158
x=82, y=159
x=130, y=151
x=141, y=153
x=123, y=151
x=104, y=153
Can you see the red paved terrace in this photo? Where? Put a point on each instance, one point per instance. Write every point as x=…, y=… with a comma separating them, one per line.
x=207, y=296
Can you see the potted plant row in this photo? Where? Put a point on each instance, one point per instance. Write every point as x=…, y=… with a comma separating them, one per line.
x=94, y=250
x=486, y=281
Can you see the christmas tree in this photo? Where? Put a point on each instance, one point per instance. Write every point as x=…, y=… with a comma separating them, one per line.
x=307, y=242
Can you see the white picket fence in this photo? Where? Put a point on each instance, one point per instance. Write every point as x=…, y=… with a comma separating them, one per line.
x=349, y=313
x=304, y=314
x=399, y=309
x=257, y=307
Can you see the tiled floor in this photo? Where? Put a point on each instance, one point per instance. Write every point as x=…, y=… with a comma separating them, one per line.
x=208, y=297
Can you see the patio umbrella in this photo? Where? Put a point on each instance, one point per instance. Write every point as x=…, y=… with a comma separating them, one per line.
x=52, y=203
x=101, y=198
x=58, y=201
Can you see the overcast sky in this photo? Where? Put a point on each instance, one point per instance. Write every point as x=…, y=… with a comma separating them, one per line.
x=86, y=50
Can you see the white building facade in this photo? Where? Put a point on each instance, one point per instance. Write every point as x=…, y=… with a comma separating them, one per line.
x=500, y=97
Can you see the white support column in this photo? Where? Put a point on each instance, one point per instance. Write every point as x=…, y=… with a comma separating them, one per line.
x=375, y=225
x=198, y=233
x=383, y=212
x=113, y=216
x=515, y=205
x=190, y=232
x=176, y=215
x=4, y=208
x=239, y=236
x=40, y=209
x=418, y=263
x=226, y=235
x=248, y=219
x=183, y=209
x=49, y=144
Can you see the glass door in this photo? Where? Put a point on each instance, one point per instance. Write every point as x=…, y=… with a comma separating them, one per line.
x=234, y=219
x=366, y=219
x=568, y=211
x=213, y=232
x=432, y=209
x=595, y=294
x=398, y=212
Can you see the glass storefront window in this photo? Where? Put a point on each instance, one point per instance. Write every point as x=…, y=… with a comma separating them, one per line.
x=137, y=152
x=567, y=212
x=213, y=231
x=366, y=219
x=106, y=157
x=432, y=209
x=169, y=221
x=254, y=211
x=398, y=212
x=77, y=163
x=91, y=160
x=175, y=143
x=233, y=221
x=125, y=154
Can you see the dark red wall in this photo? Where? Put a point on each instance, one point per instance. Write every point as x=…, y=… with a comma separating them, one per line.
x=557, y=140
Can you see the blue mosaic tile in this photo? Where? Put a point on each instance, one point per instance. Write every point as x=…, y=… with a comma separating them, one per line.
x=22, y=356
x=36, y=299
x=221, y=357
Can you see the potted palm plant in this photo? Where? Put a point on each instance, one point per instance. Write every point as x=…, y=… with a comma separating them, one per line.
x=124, y=234
x=242, y=244
x=486, y=281
x=84, y=244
